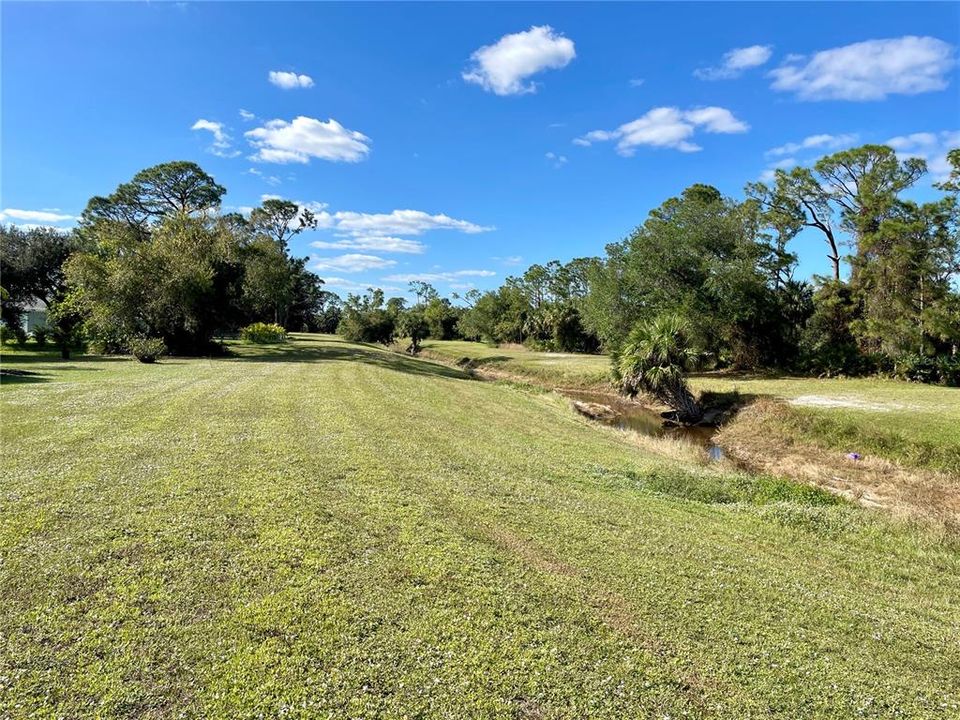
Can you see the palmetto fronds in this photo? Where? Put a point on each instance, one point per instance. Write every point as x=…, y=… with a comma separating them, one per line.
x=653, y=360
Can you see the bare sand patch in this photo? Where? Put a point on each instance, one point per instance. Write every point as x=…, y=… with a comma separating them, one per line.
x=844, y=401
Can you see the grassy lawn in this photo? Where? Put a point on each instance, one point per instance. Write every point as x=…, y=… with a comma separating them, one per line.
x=330, y=530
x=909, y=422
x=566, y=369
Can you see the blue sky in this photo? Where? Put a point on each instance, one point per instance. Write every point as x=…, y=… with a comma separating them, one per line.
x=462, y=142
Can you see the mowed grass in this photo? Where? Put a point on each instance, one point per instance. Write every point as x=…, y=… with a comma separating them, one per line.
x=574, y=370
x=908, y=422
x=329, y=530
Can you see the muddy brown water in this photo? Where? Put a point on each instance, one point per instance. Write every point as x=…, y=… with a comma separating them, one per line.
x=627, y=415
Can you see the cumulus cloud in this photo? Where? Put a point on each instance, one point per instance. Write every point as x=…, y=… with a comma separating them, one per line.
x=557, y=160
x=269, y=179
x=350, y=285
x=812, y=145
x=770, y=173
x=352, y=262
x=824, y=141
x=221, y=141
x=400, y=222
x=931, y=146
x=279, y=141
x=869, y=70
x=439, y=276
x=377, y=243
x=247, y=115
x=36, y=217
x=504, y=67
x=667, y=127
x=379, y=231
x=735, y=62
x=289, y=80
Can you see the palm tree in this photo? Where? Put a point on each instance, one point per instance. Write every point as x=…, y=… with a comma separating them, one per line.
x=653, y=359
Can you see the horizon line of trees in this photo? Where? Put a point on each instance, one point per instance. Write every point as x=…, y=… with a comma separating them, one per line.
x=722, y=269
x=156, y=258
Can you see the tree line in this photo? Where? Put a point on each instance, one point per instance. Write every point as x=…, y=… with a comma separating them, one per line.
x=723, y=268
x=157, y=259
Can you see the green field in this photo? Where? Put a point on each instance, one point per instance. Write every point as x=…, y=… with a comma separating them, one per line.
x=563, y=369
x=331, y=530
x=909, y=422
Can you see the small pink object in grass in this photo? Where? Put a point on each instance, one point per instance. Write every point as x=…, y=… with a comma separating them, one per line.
x=853, y=456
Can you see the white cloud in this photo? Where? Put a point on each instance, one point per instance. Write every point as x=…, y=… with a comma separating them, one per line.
x=377, y=243
x=735, y=62
x=279, y=141
x=350, y=285
x=221, y=141
x=269, y=179
x=439, y=276
x=38, y=217
x=378, y=231
x=247, y=115
x=716, y=120
x=558, y=161
x=869, y=70
x=400, y=222
x=503, y=68
x=770, y=174
x=823, y=141
x=289, y=80
x=932, y=147
x=352, y=262
x=509, y=259
x=667, y=127
x=636, y=82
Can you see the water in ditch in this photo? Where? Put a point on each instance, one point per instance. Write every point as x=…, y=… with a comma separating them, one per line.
x=620, y=413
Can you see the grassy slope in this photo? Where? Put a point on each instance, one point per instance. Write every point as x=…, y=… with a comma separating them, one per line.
x=920, y=424
x=332, y=530
x=566, y=369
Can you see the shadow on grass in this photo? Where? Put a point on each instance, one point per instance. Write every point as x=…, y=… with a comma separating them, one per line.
x=746, y=375
x=335, y=350
x=304, y=349
x=14, y=377
x=12, y=365
x=40, y=356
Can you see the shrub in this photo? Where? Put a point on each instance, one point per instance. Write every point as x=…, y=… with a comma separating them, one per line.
x=6, y=334
x=371, y=326
x=941, y=370
x=147, y=349
x=654, y=359
x=260, y=332
x=12, y=333
x=40, y=335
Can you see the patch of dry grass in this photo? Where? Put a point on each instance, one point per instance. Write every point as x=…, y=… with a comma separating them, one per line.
x=764, y=436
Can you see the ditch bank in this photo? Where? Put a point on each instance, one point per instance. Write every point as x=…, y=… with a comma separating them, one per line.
x=753, y=435
x=606, y=407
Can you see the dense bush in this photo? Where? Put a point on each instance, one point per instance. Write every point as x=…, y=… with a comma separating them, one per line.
x=147, y=349
x=40, y=335
x=260, y=332
x=926, y=369
x=10, y=333
x=365, y=318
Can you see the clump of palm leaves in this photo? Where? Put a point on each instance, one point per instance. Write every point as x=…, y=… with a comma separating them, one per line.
x=654, y=359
